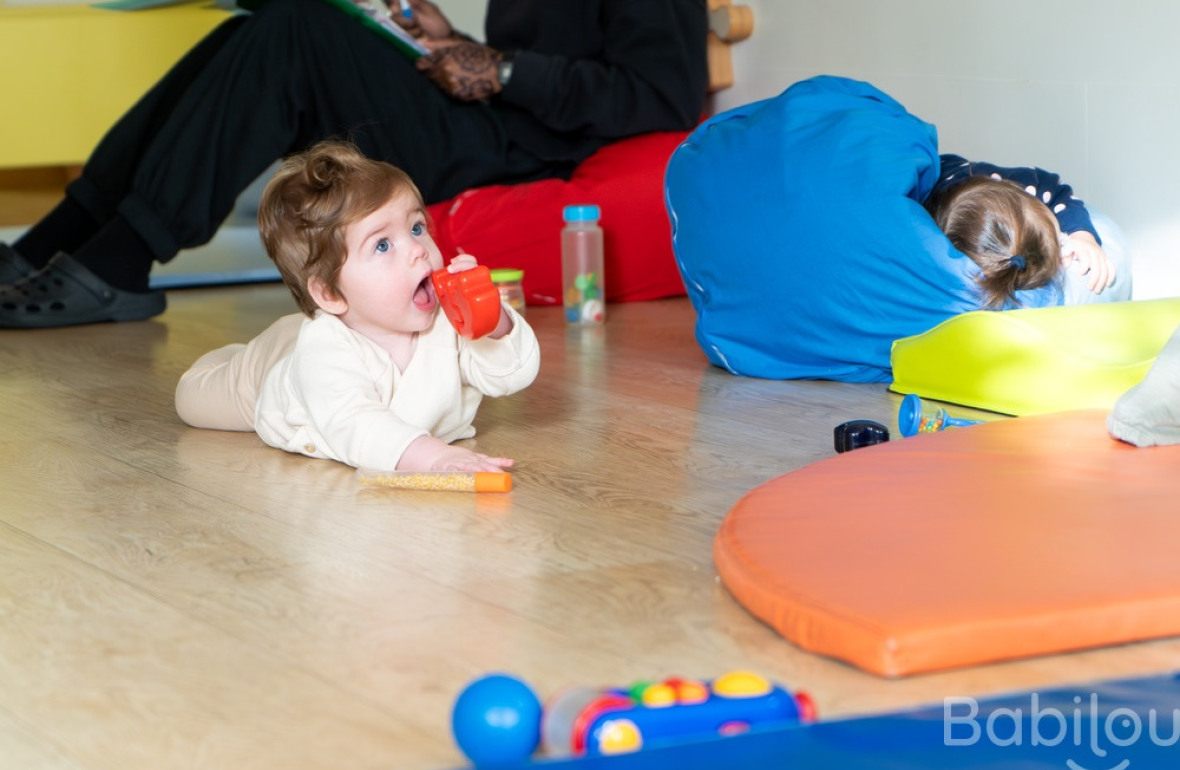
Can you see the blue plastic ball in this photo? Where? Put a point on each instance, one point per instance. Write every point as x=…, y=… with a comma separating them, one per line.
x=497, y=720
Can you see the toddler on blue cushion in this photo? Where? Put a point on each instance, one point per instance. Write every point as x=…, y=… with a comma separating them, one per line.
x=1025, y=229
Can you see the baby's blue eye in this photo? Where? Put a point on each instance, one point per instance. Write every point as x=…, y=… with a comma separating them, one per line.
x=382, y=245
x=418, y=229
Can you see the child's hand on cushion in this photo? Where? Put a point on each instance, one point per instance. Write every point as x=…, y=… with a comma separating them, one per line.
x=1080, y=247
x=426, y=453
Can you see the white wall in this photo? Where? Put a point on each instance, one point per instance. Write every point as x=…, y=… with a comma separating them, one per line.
x=465, y=15
x=1087, y=88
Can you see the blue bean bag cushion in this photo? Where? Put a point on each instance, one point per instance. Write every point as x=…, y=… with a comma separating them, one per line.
x=799, y=231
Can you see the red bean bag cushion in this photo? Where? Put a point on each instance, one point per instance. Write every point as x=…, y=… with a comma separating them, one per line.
x=520, y=225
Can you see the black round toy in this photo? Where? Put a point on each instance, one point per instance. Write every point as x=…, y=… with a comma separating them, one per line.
x=855, y=434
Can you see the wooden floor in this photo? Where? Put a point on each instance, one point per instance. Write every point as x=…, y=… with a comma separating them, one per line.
x=27, y=194
x=176, y=598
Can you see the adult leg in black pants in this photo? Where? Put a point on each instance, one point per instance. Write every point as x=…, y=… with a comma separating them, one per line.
x=257, y=88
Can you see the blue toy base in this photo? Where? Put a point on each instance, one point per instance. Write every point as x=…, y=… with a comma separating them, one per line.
x=1129, y=724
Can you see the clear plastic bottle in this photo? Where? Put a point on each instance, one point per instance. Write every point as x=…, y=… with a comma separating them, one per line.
x=583, y=281
x=510, y=282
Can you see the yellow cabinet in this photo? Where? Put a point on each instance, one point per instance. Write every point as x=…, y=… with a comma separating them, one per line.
x=67, y=72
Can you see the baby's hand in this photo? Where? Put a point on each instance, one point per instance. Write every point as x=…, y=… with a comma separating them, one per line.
x=460, y=263
x=1080, y=247
x=457, y=458
x=427, y=453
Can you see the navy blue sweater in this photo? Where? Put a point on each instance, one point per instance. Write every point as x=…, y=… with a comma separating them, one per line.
x=1070, y=211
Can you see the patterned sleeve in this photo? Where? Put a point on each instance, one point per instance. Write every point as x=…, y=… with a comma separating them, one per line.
x=1070, y=211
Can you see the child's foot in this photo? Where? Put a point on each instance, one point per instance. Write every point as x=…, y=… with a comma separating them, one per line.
x=1149, y=413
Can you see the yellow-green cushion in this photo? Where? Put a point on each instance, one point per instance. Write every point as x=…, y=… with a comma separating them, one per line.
x=1036, y=360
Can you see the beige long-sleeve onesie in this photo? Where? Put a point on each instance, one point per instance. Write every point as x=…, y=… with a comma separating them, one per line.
x=316, y=387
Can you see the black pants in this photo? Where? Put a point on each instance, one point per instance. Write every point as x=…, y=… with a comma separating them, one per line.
x=262, y=86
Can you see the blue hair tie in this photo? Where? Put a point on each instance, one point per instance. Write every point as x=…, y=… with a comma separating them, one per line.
x=1017, y=262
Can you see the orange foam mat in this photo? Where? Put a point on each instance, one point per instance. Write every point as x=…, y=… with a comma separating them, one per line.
x=1002, y=540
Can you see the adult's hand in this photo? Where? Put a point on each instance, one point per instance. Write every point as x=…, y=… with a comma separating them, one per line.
x=466, y=70
x=427, y=21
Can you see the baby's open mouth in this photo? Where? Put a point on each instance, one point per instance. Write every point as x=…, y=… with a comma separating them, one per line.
x=424, y=295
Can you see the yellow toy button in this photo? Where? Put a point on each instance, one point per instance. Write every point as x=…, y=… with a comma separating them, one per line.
x=691, y=692
x=619, y=736
x=659, y=695
x=740, y=684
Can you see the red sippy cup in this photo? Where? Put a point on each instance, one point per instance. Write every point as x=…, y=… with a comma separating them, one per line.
x=469, y=298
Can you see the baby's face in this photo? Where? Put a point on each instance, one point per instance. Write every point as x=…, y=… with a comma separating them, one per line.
x=386, y=275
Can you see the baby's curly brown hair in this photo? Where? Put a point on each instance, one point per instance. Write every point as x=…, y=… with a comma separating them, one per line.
x=306, y=207
x=1010, y=234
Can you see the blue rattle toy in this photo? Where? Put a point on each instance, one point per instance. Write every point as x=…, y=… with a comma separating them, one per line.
x=911, y=420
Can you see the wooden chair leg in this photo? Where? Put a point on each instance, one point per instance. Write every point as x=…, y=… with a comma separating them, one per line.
x=728, y=24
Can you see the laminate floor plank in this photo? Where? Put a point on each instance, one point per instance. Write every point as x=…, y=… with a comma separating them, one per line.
x=173, y=597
